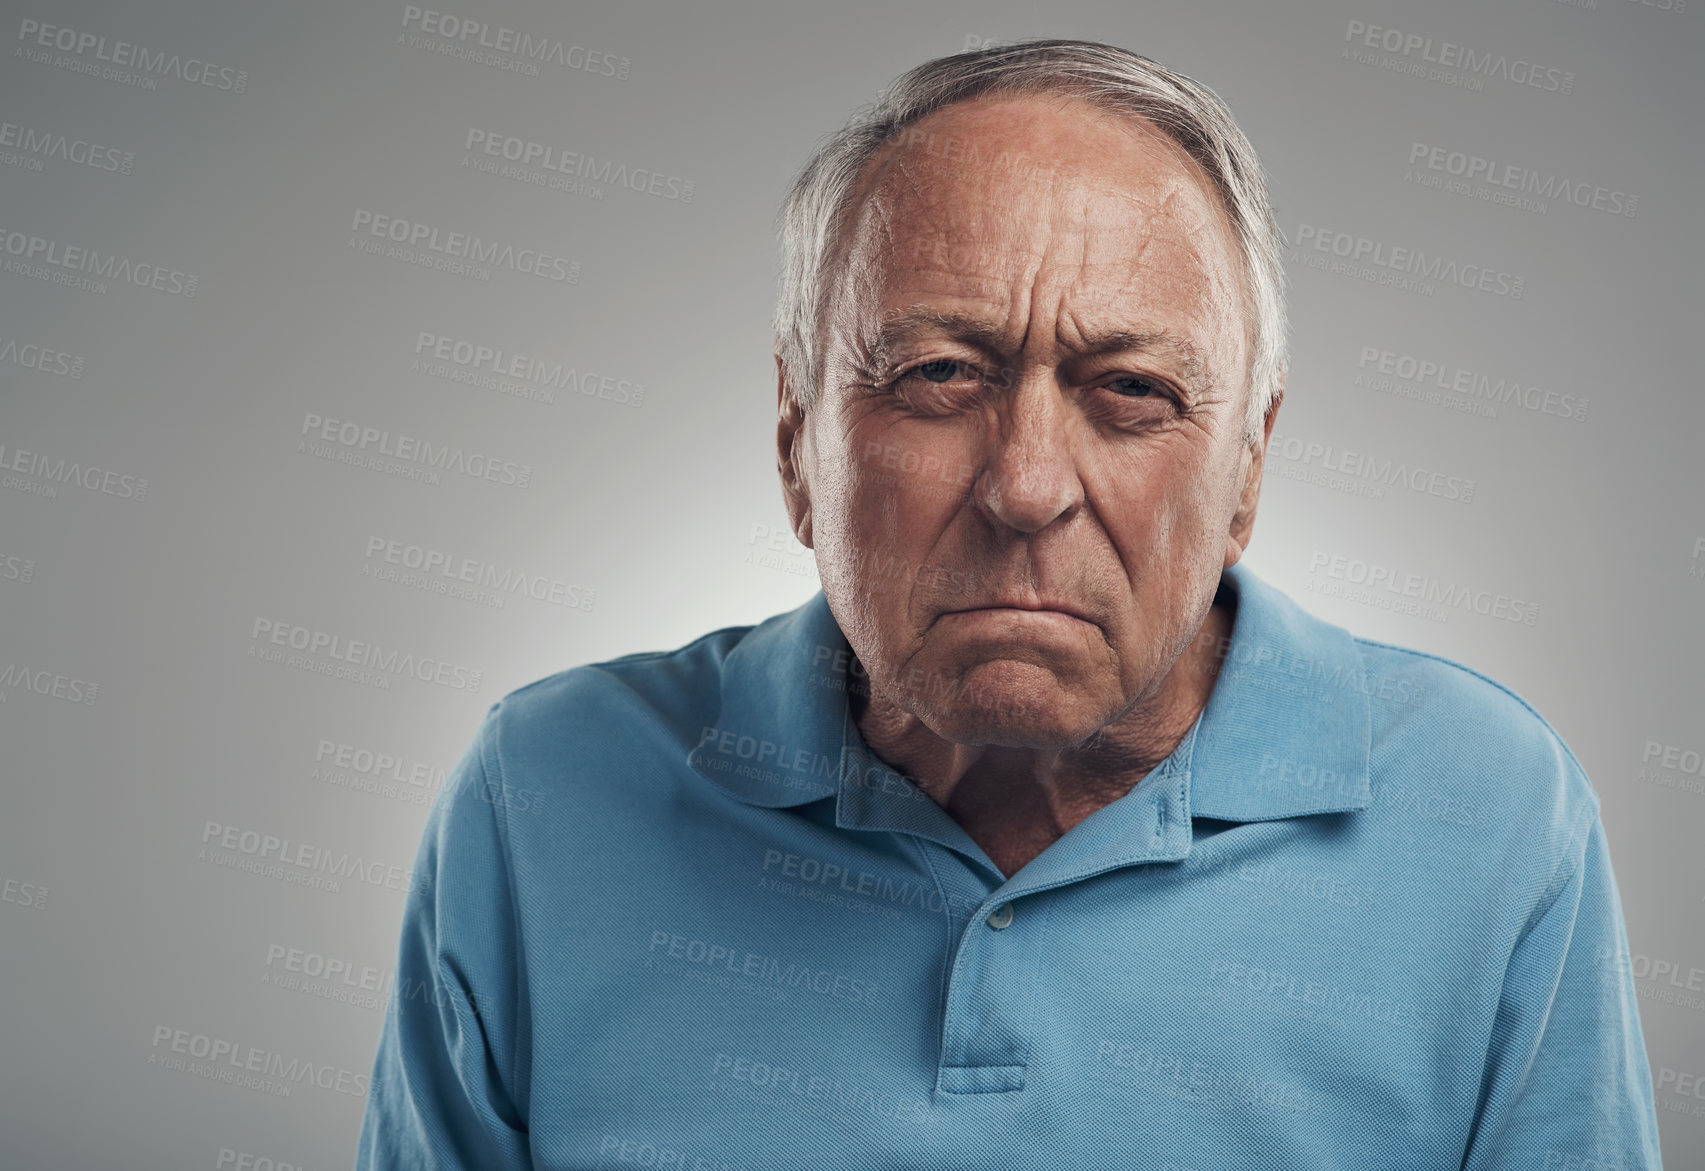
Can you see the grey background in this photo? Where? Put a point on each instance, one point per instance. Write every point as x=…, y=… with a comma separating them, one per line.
x=666, y=509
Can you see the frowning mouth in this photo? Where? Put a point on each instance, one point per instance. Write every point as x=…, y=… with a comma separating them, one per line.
x=1024, y=608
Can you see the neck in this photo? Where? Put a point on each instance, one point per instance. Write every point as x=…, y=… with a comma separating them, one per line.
x=1018, y=800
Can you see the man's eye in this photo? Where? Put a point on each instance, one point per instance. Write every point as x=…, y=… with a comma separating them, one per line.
x=1132, y=387
x=941, y=370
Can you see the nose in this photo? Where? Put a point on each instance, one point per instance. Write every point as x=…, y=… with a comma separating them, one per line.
x=1029, y=477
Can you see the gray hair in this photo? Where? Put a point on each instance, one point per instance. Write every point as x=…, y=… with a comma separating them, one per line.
x=1115, y=79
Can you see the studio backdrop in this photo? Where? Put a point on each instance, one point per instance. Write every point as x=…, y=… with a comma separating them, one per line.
x=364, y=362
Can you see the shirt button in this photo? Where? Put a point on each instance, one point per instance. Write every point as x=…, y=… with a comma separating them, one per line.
x=1001, y=916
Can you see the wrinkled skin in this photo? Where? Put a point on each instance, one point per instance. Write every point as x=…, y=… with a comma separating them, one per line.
x=1004, y=457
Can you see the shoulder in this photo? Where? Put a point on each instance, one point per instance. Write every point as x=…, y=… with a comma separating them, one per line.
x=1444, y=732
x=612, y=705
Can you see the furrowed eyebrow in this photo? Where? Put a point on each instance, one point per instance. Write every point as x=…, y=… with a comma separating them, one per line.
x=900, y=327
x=906, y=324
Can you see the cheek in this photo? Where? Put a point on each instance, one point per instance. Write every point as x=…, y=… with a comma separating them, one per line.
x=904, y=483
x=1162, y=506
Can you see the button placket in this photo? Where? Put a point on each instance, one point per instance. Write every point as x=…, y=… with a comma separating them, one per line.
x=989, y=1011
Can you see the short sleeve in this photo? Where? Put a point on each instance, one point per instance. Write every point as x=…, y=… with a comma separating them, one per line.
x=1567, y=1083
x=443, y=1093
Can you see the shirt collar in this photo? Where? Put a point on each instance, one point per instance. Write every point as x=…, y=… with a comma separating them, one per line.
x=777, y=740
x=1285, y=733
x=1287, y=729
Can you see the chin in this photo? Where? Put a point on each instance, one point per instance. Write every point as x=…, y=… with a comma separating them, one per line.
x=1011, y=719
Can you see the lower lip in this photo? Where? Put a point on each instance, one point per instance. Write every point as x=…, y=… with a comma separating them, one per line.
x=1054, y=617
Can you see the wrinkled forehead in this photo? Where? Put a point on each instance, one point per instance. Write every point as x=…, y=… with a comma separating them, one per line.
x=987, y=192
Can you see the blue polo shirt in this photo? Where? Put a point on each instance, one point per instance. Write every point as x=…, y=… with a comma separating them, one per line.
x=671, y=912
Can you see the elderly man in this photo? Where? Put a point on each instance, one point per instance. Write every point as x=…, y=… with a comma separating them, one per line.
x=1046, y=835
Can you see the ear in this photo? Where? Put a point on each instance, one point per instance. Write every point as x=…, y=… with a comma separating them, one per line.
x=790, y=434
x=1253, y=464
